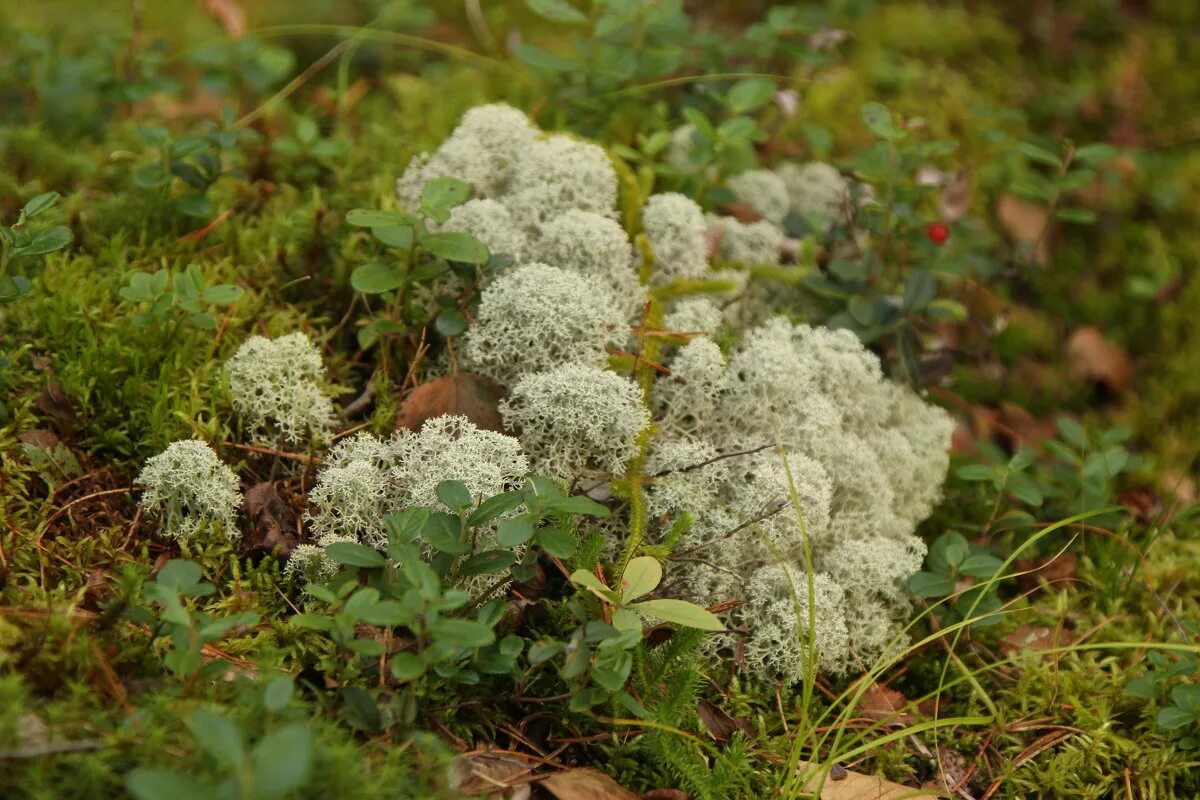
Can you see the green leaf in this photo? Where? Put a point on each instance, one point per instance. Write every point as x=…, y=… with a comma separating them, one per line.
x=1025, y=488
x=442, y=194
x=313, y=622
x=404, y=526
x=1072, y=432
x=749, y=94
x=1096, y=153
x=193, y=205
x=161, y=784
x=179, y=574
x=1187, y=697
x=278, y=694
x=540, y=652
x=151, y=176
x=407, y=666
x=444, y=532
x=495, y=506
x=456, y=246
x=219, y=737
x=387, y=614
x=878, y=119
x=354, y=554
x=361, y=600
x=680, y=612
x=948, y=551
x=1173, y=718
x=1078, y=216
x=464, y=633
x=1144, y=688
x=976, y=472
x=919, y=290
x=515, y=530
x=578, y=504
x=1039, y=154
x=556, y=11
x=281, y=761
x=45, y=241
x=222, y=294
x=927, y=584
x=487, y=561
x=450, y=322
x=538, y=58
x=39, y=204
x=398, y=236
x=590, y=582
x=454, y=494
x=556, y=542
x=642, y=576
x=370, y=218
x=375, y=277
x=980, y=565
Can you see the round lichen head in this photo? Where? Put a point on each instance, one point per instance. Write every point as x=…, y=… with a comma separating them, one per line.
x=191, y=489
x=576, y=419
x=775, y=612
x=557, y=174
x=276, y=387
x=594, y=246
x=816, y=192
x=536, y=317
x=490, y=222
x=481, y=151
x=748, y=243
x=763, y=191
x=677, y=232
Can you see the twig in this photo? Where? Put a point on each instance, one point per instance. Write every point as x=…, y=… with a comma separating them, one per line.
x=713, y=460
x=266, y=451
x=729, y=534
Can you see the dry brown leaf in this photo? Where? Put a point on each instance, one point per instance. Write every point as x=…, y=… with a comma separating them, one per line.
x=473, y=396
x=227, y=12
x=473, y=774
x=1093, y=358
x=1025, y=223
x=720, y=724
x=880, y=702
x=1051, y=569
x=856, y=786
x=585, y=784
x=742, y=212
x=1031, y=637
x=274, y=521
x=666, y=794
x=54, y=402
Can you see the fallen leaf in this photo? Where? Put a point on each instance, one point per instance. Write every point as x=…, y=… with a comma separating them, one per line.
x=1051, y=569
x=856, y=786
x=882, y=703
x=1030, y=637
x=227, y=12
x=54, y=402
x=491, y=771
x=1025, y=223
x=473, y=396
x=720, y=724
x=53, y=460
x=741, y=211
x=274, y=521
x=1093, y=358
x=585, y=784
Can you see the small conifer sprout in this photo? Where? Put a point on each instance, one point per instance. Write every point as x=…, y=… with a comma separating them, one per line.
x=764, y=191
x=594, y=246
x=815, y=191
x=677, y=231
x=535, y=317
x=748, y=243
x=557, y=174
x=481, y=151
x=490, y=222
x=191, y=488
x=276, y=388
x=576, y=419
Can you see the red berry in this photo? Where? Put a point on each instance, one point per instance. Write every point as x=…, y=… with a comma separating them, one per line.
x=938, y=232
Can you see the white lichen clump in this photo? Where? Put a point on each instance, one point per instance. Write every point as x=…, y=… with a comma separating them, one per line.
x=694, y=315
x=594, y=246
x=490, y=222
x=481, y=151
x=557, y=174
x=677, y=231
x=866, y=458
x=191, y=489
x=538, y=317
x=364, y=478
x=576, y=420
x=815, y=191
x=276, y=387
x=748, y=243
x=764, y=192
